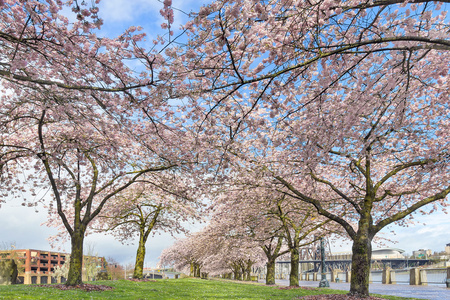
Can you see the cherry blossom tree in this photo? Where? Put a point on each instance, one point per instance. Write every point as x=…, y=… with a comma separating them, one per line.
x=43, y=51
x=146, y=209
x=247, y=211
x=302, y=226
x=242, y=212
x=221, y=254
x=42, y=46
x=234, y=239
x=87, y=163
x=204, y=253
x=82, y=110
x=183, y=255
x=344, y=104
x=13, y=150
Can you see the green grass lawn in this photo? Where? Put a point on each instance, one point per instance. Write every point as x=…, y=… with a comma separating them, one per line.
x=187, y=288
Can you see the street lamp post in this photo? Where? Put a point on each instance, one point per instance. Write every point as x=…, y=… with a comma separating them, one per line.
x=323, y=282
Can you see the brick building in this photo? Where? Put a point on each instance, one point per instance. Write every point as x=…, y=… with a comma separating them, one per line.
x=38, y=266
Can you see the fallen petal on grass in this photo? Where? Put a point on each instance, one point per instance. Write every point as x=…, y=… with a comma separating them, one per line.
x=338, y=297
x=84, y=287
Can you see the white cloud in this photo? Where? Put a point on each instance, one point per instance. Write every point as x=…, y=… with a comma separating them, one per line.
x=119, y=15
x=21, y=225
x=124, y=11
x=433, y=235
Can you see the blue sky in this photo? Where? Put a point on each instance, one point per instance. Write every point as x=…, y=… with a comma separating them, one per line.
x=118, y=15
x=22, y=225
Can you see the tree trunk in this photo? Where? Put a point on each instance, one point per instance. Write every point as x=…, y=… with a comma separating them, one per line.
x=236, y=273
x=242, y=273
x=362, y=253
x=197, y=270
x=191, y=273
x=140, y=257
x=293, y=276
x=271, y=257
x=248, y=270
x=270, y=276
x=248, y=275
x=76, y=258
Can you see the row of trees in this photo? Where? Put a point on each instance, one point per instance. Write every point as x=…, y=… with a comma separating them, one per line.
x=340, y=105
x=335, y=113
x=250, y=227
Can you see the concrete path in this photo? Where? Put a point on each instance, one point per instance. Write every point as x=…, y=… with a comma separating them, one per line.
x=431, y=292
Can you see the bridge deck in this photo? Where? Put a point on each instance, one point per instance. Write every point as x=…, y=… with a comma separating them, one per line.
x=345, y=264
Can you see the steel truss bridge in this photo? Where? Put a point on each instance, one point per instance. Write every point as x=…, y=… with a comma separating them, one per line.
x=310, y=260
x=345, y=264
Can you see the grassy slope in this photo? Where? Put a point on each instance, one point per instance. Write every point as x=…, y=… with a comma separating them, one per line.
x=164, y=289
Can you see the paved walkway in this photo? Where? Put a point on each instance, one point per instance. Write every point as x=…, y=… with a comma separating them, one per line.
x=432, y=292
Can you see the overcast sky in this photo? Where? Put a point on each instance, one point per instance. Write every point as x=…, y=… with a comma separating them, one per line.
x=21, y=225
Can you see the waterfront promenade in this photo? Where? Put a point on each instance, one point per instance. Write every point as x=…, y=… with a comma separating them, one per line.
x=432, y=292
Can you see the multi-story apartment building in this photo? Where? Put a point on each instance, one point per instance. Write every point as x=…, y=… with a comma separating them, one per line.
x=38, y=266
